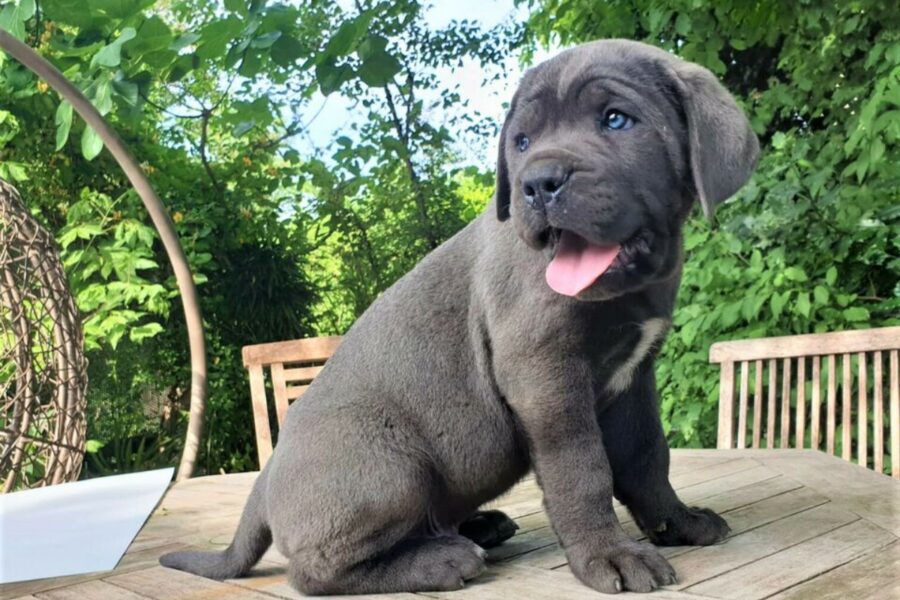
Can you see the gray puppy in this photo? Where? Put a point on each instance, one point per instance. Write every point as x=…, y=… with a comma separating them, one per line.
x=517, y=344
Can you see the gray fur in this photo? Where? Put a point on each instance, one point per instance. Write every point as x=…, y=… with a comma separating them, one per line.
x=470, y=370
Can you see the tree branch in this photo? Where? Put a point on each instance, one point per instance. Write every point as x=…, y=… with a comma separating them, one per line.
x=403, y=134
x=169, y=112
x=201, y=150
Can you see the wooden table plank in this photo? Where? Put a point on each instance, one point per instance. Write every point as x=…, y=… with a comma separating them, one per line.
x=705, y=563
x=91, y=590
x=871, y=576
x=131, y=561
x=160, y=583
x=271, y=580
x=683, y=479
x=742, y=519
x=747, y=494
x=724, y=483
x=804, y=526
x=769, y=510
x=507, y=582
x=871, y=495
x=796, y=564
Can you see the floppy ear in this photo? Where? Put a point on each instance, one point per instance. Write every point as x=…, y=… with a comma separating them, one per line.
x=723, y=148
x=503, y=191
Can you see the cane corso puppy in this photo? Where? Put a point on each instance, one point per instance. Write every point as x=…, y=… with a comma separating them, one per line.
x=525, y=341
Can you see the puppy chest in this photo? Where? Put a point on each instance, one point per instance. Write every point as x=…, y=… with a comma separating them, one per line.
x=625, y=351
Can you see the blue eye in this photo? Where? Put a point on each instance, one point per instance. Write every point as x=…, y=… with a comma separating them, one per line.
x=522, y=142
x=616, y=120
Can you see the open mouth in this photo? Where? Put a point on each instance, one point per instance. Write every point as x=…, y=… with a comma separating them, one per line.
x=578, y=263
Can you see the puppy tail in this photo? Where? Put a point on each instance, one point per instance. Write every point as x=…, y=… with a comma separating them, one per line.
x=252, y=539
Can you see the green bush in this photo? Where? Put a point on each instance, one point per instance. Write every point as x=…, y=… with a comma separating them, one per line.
x=812, y=243
x=210, y=95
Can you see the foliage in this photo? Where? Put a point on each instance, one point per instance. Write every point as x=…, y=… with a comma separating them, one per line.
x=210, y=96
x=813, y=243
x=388, y=194
x=185, y=85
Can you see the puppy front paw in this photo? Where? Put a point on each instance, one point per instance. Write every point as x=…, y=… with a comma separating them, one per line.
x=623, y=564
x=690, y=526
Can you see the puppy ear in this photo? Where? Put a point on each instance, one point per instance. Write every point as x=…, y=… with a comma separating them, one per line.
x=723, y=148
x=503, y=193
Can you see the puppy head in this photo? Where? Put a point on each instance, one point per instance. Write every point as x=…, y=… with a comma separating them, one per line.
x=603, y=151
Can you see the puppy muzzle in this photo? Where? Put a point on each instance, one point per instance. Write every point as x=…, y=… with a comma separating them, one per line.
x=544, y=184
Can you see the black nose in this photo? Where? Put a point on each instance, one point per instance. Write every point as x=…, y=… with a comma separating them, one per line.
x=542, y=185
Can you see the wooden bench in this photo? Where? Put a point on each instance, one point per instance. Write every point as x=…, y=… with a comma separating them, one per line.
x=292, y=365
x=791, y=372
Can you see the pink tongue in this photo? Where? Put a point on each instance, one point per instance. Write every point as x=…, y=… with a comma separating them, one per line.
x=578, y=263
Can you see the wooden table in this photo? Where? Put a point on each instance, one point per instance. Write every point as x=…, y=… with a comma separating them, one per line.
x=805, y=525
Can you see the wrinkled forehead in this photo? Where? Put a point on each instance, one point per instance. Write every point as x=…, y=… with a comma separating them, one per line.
x=618, y=63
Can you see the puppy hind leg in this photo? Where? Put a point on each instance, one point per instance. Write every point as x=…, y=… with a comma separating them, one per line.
x=488, y=528
x=414, y=565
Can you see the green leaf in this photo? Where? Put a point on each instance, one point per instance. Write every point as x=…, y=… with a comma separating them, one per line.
x=331, y=77
x=777, y=302
x=658, y=17
x=215, y=37
x=127, y=91
x=821, y=295
x=9, y=127
x=831, y=275
x=779, y=140
x=795, y=274
x=694, y=239
x=117, y=9
x=242, y=128
x=750, y=307
x=91, y=144
x=13, y=171
x=379, y=69
x=152, y=35
x=730, y=314
x=102, y=97
x=683, y=24
x=347, y=37
x=93, y=446
x=856, y=313
x=803, y=306
x=71, y=12
x=114, y=334
x=142, y=332
x=286, y=50
x=371, y=46
x=876, y=150
x=14, y=15
x=237, y=6
x=63, y=122
x=265, y=40
x=111, y=54
x=184, y=41
x=184, y=65
x=251, y=65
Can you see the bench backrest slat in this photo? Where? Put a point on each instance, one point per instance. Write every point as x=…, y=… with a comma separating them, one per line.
x=292, y=365
x=830, y=389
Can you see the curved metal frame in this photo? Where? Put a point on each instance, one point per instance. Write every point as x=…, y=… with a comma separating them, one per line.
x=161, y=220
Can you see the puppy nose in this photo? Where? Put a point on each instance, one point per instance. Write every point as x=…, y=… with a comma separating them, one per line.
x=542, y=185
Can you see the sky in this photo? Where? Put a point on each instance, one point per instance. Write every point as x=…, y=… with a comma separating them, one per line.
x=336, y=112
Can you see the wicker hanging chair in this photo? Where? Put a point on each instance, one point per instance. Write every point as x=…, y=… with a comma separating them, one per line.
x=43, y=373
x=23, y=424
